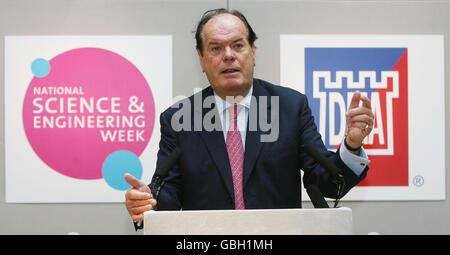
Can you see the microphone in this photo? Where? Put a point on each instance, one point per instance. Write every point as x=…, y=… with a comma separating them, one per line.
x=333, y=170
x=168, y=163
x=316, y=197
x=162, y=171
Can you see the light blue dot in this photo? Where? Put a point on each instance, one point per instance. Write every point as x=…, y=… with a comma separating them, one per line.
x=40, y=67
x=117, y=164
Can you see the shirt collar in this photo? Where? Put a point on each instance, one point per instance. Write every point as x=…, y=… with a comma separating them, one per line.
x=222, y=105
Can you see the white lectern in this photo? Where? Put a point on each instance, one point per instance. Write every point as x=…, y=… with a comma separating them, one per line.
x=335, y=221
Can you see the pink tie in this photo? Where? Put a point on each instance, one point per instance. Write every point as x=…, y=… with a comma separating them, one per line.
x=236, y=156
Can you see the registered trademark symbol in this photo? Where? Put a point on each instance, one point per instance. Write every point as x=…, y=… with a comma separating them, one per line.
x=418, y=181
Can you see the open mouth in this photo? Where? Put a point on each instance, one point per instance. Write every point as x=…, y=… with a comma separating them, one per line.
x=231, y=70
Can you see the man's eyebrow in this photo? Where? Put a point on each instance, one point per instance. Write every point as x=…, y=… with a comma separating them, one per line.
x=216, y=43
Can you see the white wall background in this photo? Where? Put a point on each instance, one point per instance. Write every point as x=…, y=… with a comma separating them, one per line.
x=269, y=19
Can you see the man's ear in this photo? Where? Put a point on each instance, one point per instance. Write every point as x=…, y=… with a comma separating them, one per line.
x=200, y=57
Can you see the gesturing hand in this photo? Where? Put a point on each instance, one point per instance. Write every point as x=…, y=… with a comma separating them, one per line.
x=138, y=199
x=360, y=120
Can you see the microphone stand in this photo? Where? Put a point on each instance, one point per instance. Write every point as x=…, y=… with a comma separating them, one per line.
x=340, y=183
x=157, y=186
x=158, y=178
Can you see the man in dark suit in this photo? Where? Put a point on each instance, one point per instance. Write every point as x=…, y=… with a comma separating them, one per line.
x=240, y=163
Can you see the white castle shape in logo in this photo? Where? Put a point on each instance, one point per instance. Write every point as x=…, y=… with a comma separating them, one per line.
x=336, y=99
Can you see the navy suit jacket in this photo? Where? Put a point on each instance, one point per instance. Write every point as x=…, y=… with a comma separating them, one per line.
x=201, y=178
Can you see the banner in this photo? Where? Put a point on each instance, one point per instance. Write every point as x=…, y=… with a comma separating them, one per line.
x=404, y=78
x=80, y=112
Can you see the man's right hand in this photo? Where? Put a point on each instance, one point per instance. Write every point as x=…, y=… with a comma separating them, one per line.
x=138, y=198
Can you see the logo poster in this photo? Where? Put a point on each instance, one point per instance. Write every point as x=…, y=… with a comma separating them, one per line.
x=81, y=111
x=404, y=78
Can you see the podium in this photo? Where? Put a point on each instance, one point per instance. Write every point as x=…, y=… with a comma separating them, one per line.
x=333, y=221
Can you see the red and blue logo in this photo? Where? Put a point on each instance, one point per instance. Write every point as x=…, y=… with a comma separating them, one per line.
x=332, y=75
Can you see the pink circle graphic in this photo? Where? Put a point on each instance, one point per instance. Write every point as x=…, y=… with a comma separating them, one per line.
x=92, y=103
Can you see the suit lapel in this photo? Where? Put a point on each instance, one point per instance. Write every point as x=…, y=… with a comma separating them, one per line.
x=253, y=143
x=215, y=143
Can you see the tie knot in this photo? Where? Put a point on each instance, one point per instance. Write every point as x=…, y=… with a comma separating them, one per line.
x=234, y=110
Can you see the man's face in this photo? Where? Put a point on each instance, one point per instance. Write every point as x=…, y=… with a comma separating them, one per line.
x=228, y=58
